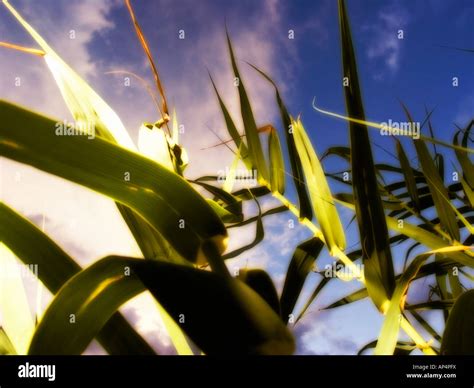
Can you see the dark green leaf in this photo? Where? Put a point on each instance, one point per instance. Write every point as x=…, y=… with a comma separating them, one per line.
x=157, y=194
x=301, y=265
x=33, y=247
x=377, y=260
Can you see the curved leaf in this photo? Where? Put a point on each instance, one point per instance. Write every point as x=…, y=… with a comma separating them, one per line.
x=300, y=266
x=157, y=194
x=57, y=267
x=205, y=305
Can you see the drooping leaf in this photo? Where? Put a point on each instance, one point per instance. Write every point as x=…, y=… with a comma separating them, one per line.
x=259, y=235
x=56, y=267
x=300, y=266
x=157, y=194
x=431, y=305
x=207, y=307
x=91, y=112
x=276, y=210
x=85, y=104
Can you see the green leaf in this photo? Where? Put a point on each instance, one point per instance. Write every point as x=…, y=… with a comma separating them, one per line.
x=277, y=165
x=232, y=129
x=353, y=297
x=259, y=281
x=212, y=307
x=160, y=196
x=463, y=158
x=229, y=201
x=408, y=174
x=300, y=266
x=6, y=347
x=319, y=191
x=91, y=111
x=295, y=161
x=377, y=259
x=82, y=307
x=56, y=267
x=458, y=336
x=324, y=281
x=424, y=237
x=276, y=210
x=84, y=103
x=225, y=215
x=435, y=268
x=403, y=348
x=437, y=189
x=152, y=244
x=259, y=235
x=17, y=319
x=251, y=133
x=425, y=325
x=389, y=333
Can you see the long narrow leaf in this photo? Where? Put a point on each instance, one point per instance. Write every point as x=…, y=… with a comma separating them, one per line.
x=253, y=140
x=295, y=161
x=319, y=191
x=377, y=259
x=300, y=266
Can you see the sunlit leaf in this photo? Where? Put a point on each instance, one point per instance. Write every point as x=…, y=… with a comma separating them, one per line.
x=17, y=319
x=158, y=195
x=253, y=140
x=277, y=165
x=321, y=197
x=295, y=161
x=55, y=268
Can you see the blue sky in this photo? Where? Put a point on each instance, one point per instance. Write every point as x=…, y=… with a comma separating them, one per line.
x=415, y=70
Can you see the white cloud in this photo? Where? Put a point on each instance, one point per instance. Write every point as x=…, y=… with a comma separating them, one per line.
x=384, y=44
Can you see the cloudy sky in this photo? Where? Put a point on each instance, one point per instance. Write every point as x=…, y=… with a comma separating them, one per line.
x=415, y=69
